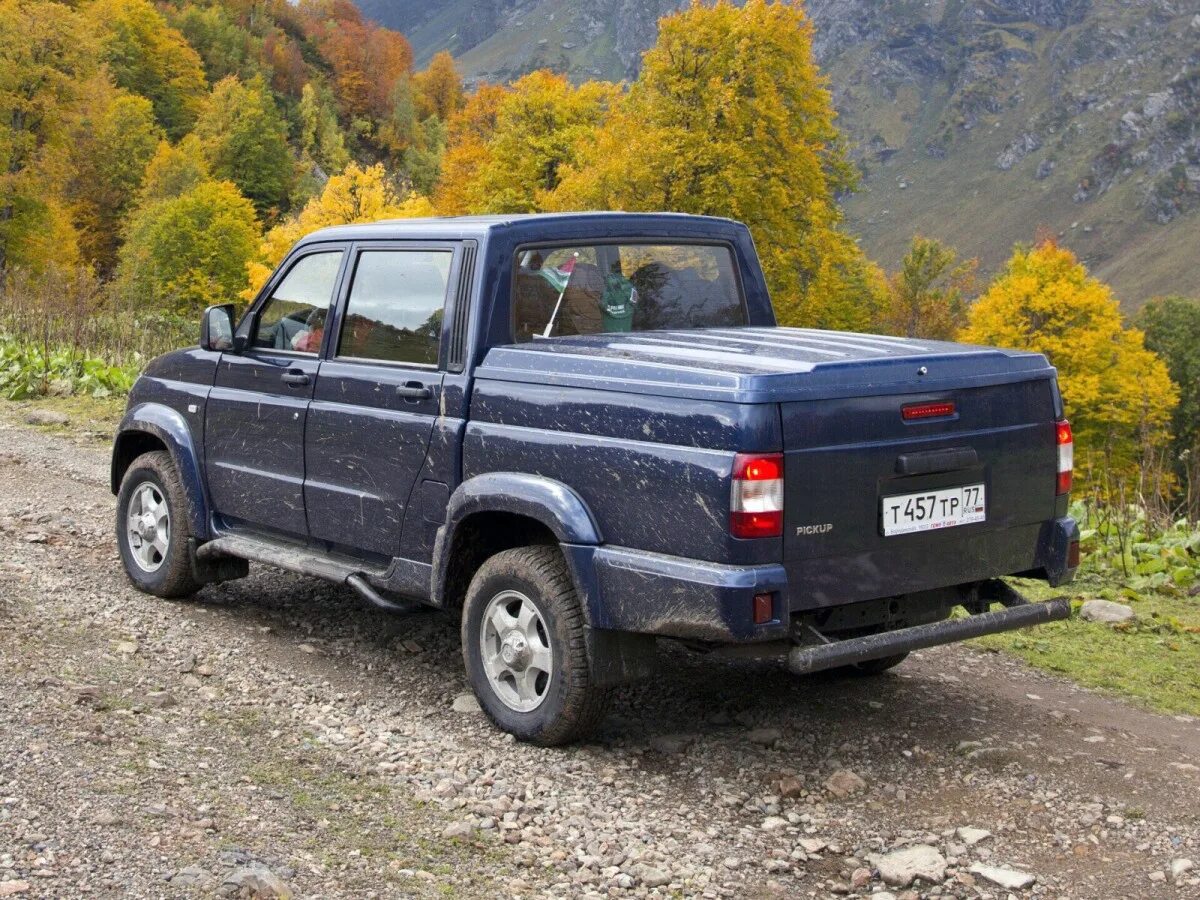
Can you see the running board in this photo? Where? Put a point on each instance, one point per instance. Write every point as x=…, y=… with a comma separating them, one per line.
x=1019, y=613
x=303, y=561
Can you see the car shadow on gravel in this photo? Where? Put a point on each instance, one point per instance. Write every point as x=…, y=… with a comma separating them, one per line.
x=692, y=693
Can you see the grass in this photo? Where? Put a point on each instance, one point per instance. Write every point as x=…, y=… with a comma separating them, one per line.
x=98, y=416
x=1154, y=661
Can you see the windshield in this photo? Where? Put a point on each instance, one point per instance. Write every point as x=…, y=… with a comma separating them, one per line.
x=606, y=288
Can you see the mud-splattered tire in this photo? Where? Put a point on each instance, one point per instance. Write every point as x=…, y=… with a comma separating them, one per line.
x=525, y=648
x=153, y=528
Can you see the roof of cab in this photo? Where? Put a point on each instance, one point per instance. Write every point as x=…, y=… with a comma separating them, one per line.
x=529, y=227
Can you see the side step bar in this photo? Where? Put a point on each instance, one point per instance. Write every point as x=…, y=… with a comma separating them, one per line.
x=303, y=561
x=1019, y=613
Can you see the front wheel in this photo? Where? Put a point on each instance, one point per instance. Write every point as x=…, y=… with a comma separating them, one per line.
x=153, y=528
x=525, y=648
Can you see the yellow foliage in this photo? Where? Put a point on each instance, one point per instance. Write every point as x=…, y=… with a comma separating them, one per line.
x=507, y=145
x=1118, y=395
x=438, y=89
x=356, y=195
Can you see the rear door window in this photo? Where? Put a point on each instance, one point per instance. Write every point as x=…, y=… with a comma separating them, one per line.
x=394, y=312
x=609, y=288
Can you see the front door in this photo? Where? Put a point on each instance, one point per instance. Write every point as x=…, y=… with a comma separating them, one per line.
x=254, y=431
x=376, y=399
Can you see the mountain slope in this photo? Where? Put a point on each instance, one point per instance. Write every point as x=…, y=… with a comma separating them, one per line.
x=982, y=123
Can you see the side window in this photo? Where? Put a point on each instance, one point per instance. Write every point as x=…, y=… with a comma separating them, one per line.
x=294, y=316
x=394, y=313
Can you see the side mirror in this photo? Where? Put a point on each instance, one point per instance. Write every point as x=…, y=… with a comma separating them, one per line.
x=216, y=328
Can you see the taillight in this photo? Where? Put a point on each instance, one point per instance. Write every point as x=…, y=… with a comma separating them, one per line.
x=917, y=411
x=1066, y=456
x=756, y=500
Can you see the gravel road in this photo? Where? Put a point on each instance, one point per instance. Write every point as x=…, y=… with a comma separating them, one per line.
x=274, y=737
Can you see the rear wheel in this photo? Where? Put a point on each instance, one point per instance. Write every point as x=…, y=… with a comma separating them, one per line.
x=525, y=648
x=153, y=528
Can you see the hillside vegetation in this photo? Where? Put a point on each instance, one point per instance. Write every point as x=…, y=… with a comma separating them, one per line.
x=980, y=124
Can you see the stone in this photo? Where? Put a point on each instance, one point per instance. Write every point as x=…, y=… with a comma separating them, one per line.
x=774, y=823
x=1158, y=876
x=972, y=836
x=12, y=888
x=1156, y=104
x=767, y=737
x=672, y=744
x=860, y=878
x=256, y=880
x=160, y=699
x=791, y=786
x=843, y=783
x=1107, y=612
x=458, y=830
x=900, y=868
x=1179, y=867
x=465, y=703
x=812, y=845
x=190, y=876
x=1009, y=879
x=653, y=878
x=46, y=417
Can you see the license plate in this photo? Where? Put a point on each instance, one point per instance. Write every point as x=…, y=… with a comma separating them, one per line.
x=932, y=510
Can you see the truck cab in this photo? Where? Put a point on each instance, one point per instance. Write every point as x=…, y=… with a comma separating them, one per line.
x=582, y=433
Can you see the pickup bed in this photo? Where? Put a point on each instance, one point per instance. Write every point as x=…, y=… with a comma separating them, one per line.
x=582, y=433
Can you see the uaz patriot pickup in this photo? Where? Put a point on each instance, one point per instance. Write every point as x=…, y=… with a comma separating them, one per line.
x=581, y=433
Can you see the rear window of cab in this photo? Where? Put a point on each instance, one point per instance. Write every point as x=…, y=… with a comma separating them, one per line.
x=613, y=288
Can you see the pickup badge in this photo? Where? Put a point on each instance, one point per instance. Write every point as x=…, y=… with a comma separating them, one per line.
x=805, y=530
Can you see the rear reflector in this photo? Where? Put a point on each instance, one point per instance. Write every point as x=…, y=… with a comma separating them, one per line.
x=756, y=496
x=927, y=411
x=1073, y=555
x=764, y=608
x=1066, y=456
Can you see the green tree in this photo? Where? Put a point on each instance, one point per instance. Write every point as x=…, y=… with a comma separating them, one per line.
x=115, y=139
x=731, y=117
x=174, y=170
x=46, y=55
x=321, y=140
x=147, y=56
x=225, y=47
x=1118, y=395
x=928, y=294
x=1172, y=327
x=245, y=140
x=190, y=251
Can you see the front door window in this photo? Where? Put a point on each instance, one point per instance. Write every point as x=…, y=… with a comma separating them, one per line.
x=294, y=317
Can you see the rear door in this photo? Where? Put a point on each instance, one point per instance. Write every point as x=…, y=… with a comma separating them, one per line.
x=254, y=424
x=377, y=396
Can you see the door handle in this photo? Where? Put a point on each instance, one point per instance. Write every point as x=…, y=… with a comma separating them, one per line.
x=295, y=378
x=414, y=391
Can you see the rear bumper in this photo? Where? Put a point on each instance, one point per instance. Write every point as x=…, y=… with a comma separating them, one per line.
x=650, y=593
x=1018, y=613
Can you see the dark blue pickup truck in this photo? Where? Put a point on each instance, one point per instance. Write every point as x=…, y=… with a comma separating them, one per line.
x=581, y=433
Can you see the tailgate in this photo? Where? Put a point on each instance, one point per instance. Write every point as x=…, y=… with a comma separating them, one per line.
x=845, y=457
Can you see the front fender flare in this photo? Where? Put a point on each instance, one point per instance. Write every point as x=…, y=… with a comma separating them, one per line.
x=544, y=500
x=170, y=427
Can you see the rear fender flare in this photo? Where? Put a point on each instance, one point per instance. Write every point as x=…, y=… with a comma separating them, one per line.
x=169, y=427
x=549, y=502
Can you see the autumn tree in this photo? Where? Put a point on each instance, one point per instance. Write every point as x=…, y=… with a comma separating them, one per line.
x=147, y=56
x=1172, y=328
x=438, y=89
x=173, y=170
x=356, y=195
x=928, y=295
x=367, y=59
x=731, y=117
x=45, y=56
x=245, y=140
x=225, y=47
x=508, y=146
x=186, y=252
x=115, y=138
x=1118, y=395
